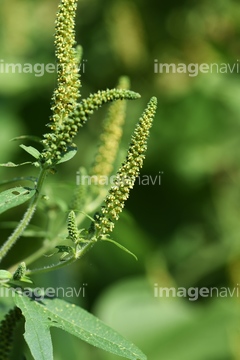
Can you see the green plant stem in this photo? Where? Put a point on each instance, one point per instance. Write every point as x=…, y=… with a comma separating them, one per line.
x=49, y=244
x=61, y=264
x=56, y=266
x=26, y=218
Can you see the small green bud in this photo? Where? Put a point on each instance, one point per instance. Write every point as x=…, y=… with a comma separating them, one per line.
x=20, y=272
x=73, y=232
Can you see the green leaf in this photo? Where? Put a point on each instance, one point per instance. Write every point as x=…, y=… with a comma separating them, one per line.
x=14, y=197
x=4, y=275
x=73, y=319
x=27, y=137
x=120, y=246
x=37, y=334
x=64, y=248
x=20, y=178
x=31, y=150
x=71, y=152
x=67, y=252
x=26, y=279
x=11, y=164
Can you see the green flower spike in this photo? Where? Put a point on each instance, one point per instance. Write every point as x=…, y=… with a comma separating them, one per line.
x=58, y=142
x=20, y=272
x=66, y=95
x=67, y=92
x=68, y=115
x=73, y=232
x=111, y=135
x=127, y=173
x=7, y=327
x=80, y=192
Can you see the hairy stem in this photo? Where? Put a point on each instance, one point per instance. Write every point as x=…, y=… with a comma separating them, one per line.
x=48, y=268
x=26, y=218
x=61, y=264
x=50, y=244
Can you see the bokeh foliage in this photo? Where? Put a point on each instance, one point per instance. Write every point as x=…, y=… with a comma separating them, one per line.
x=185, y=231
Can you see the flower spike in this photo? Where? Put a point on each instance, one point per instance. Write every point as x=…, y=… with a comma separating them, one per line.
x=111, y=135
x=67, y=93
x=57, y=142
x=127, y=173
x=7, y=327
x=73, y=232
x=68, y=115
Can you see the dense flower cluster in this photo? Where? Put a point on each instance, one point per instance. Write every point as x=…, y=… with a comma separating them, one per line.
x=58, y=141
x=73, y=232
x=7, y=327
x=127, y=173
x=111, y=135
x=67, y=92
x=69, y=115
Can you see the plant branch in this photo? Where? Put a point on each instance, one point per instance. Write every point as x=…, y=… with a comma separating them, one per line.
x=50, y=244
x=26, y=218
x=62, y=264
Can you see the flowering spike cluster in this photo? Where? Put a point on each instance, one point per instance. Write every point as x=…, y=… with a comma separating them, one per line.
x=68, y=116
x=95, y=101
x=111, y=135
x=67, y=93
x=7, y=327
x=56, y=143
x=20, y=271
x=128, y=172
x=73, y=232
x=80, y=191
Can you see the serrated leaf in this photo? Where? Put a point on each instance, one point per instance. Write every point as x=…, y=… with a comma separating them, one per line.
x=75, y=320
x=120, y=246
x=71, y=152
x=31, y=150
x=14, y=197
x=11, y=164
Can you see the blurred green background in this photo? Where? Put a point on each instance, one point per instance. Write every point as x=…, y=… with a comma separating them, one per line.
x=184, y=231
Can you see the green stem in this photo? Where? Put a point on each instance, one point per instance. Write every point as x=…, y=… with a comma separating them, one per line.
x=51, y=243
x=57, y=266
x=61, y=264
x=47, y=246
x=26, y=218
